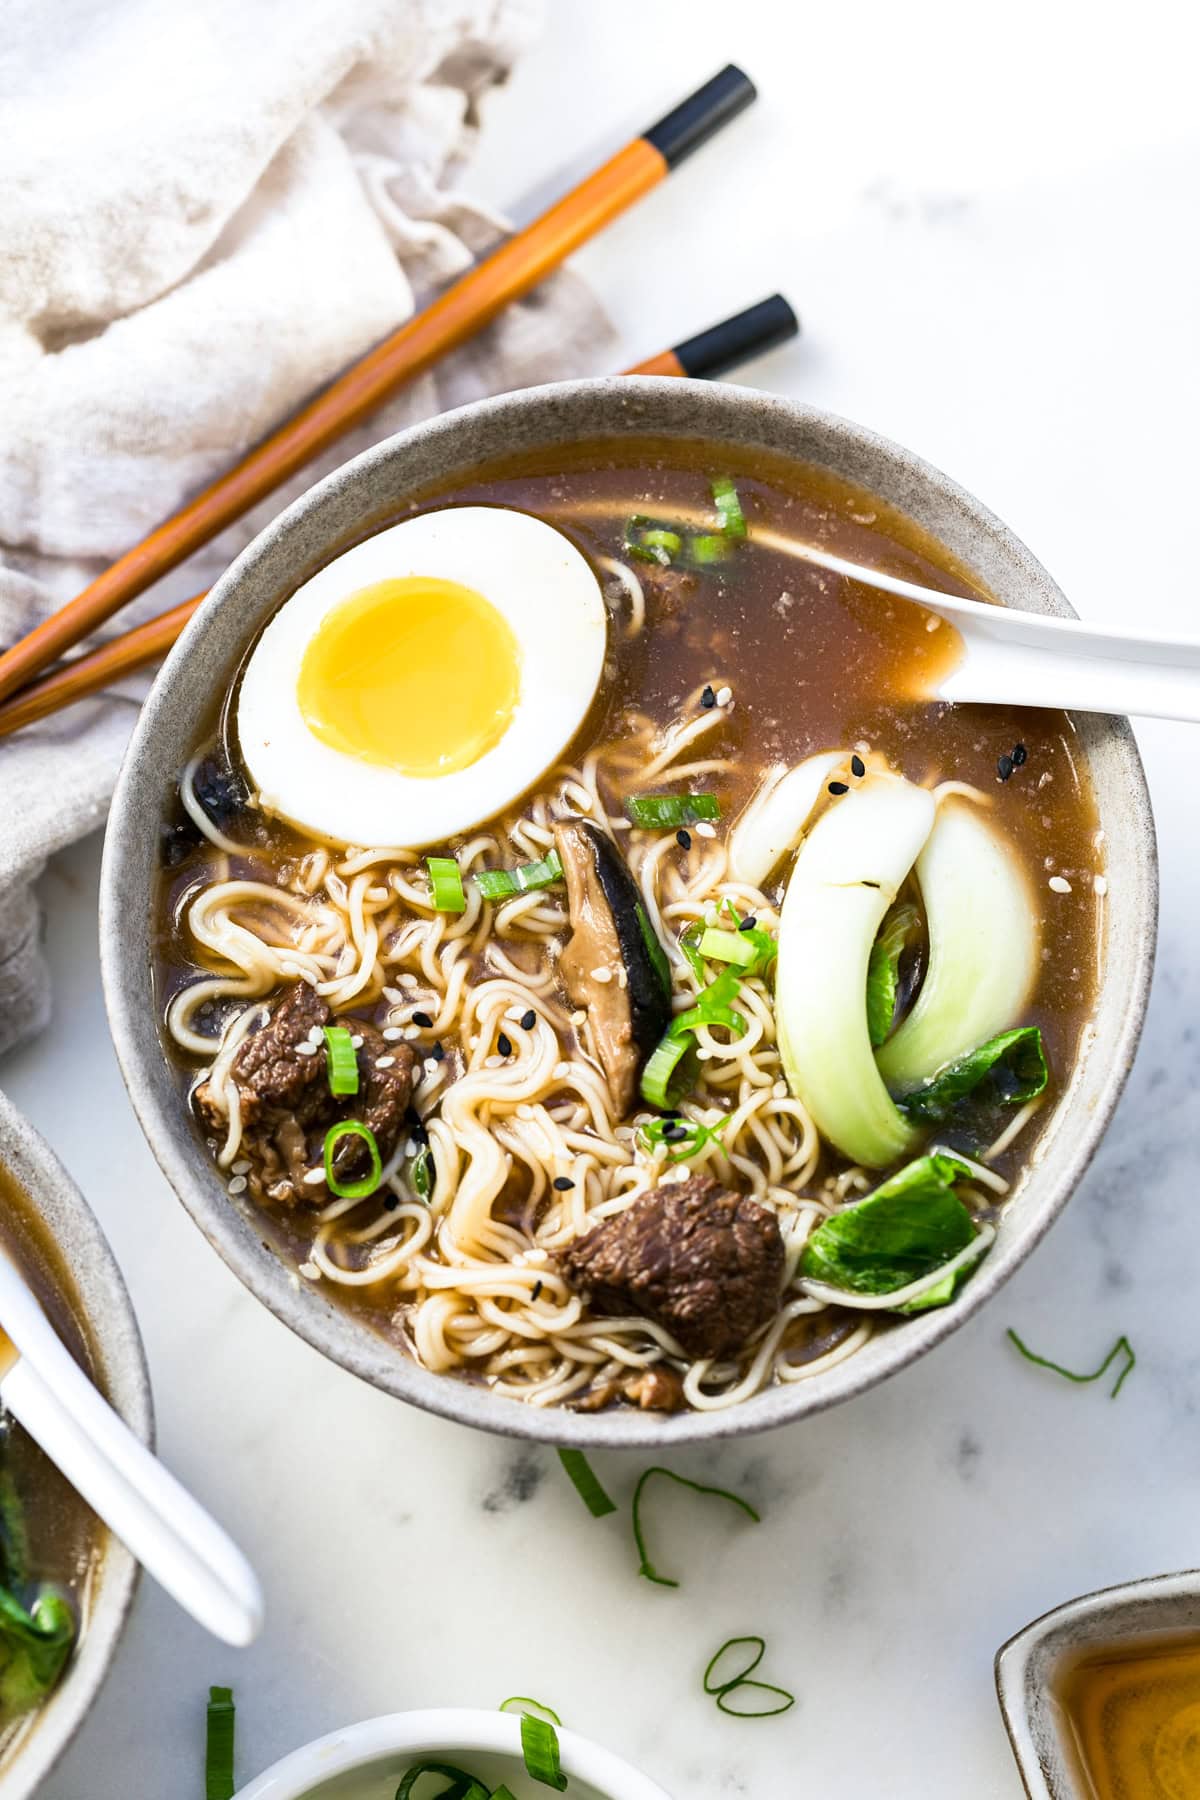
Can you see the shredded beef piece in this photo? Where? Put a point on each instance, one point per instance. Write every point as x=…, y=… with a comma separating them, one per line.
x=287, y=1108
x=703, y=1263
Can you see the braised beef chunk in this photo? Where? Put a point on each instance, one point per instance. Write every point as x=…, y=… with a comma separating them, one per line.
x=612, y=965
x=703, y=1263
x=287, y=1108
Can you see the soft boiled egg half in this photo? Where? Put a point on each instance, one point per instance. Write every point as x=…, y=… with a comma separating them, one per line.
x=423, y=680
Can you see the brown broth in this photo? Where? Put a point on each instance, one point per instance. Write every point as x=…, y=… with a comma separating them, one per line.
x=814, y=661
x=1131, y=1718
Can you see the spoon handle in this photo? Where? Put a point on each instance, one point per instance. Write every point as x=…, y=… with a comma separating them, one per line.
x=155, y=1517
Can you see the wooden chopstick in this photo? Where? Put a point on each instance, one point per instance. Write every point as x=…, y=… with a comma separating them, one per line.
x=520, y=263
x=710, y=353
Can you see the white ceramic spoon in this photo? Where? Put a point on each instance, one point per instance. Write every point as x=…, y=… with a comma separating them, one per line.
x=1027, y=659
x=156, y=1519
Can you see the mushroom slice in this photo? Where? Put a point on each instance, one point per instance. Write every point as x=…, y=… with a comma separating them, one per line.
x=984, y=947
x=847, y=873
x=612, y=965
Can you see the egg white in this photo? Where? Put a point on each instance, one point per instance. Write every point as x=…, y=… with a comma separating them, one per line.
x=551, y=600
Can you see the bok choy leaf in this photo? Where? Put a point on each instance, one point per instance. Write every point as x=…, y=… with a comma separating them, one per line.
x=984, y=948
x=1009, y=1070
x=34, y=1645
x=912, y=1224
x=883, y=970
x=846, y=877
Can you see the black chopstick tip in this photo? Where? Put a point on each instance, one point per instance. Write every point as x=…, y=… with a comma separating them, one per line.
x=735, y=340
x=695, y=119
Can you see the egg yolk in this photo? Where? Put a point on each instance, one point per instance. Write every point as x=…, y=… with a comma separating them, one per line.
x=418, y=674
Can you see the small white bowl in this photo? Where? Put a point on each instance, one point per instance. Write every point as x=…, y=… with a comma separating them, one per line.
x=365, y=1761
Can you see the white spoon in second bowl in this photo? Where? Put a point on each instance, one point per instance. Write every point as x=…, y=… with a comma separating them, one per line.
x=1026, y=659
x=156, y=1519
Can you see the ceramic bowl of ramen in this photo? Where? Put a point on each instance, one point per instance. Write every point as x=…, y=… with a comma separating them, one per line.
x=51, y=1545
x=561, y=955
x=368, y=1760
x=1102, y=1695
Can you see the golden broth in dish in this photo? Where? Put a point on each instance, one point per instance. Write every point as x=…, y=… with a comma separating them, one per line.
x=1131, y=1715
x=716, y=674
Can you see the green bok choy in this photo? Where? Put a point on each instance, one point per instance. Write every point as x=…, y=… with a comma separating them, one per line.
x=771, y=824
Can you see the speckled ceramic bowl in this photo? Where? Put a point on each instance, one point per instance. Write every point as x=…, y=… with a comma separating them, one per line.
x=1029, y=1665
x=366, y=493
x=102, y=1306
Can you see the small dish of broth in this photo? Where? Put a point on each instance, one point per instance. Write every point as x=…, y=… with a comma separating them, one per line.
x=1101, y=1697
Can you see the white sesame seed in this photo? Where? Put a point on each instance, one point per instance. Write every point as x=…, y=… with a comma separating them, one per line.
x=392, y=1033
x=306, y=1049
x=384, y=1062
x=315, y=1035
x=493, y=1062
x=310, y=1271
x=241, y=1168
x=238, y=1185
x=393, y=994
x=431, y=1065
x=410, y=1032
x=537, y=1255
x=406, y=979
x=724, y=696
x=702, y=828
x=579, y=1018
x=356, y=1041
x=780, y=1090
x=1099, y=888
x=1060, y=884
x=601, y=974
x=312, y=1177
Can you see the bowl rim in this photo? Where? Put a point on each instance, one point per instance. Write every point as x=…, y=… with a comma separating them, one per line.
x=111, y=1327
x=445, y=1730
x=717, y=411
x=1152, y=1606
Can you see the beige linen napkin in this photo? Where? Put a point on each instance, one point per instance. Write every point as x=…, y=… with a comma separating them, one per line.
x=207, y=210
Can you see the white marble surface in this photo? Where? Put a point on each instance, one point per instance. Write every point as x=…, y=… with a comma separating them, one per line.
x=987, y=218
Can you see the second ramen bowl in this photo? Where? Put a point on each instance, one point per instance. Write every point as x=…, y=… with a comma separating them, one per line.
x=367, y=493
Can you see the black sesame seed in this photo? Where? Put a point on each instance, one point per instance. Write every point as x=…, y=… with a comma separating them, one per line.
x=423, y=1020
x=1004, y=767
x=857, y=766
x=437, y=1053
x=528, y=1020
x=673, y=1134
x=1020, y=755
x=390, y=1203
x=537, y=1288
x=683, y=839
x=748, y=923
x=504, y=1045
x=563, y=1183
x=838, y=787
x=708, y=698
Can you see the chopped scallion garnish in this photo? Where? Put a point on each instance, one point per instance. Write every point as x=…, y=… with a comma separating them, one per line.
x=645, y=1566
x=587, y=1484
x=741, y=1682
x=539, y=1740
x=1122, y=1346
x=714, y=1006
x=445, y=880
x=649, y=540
x=502, y=884
x=709, y=548
x=681, y=1138
x=341, y=1060
x=463, y=1785
x=218, y=1752
x=667, y=812
x=733, y=519
x=671, y=1071
x=352, y=1190
x=421, y=1173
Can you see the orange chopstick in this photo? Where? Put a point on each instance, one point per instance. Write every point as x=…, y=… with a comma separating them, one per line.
x=710, y=353
x=520, y=263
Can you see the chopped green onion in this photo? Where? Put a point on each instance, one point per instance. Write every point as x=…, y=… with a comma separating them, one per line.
x=647, y=540
x=502, y=884
x=689, y=943
x=445, y=879
x=714, y=1006
x=587, y=1484
x=709, y=548
x=645, y=1566
x=721, y=1690
x=341, y=1060
x=218, y=1752
x=525, y=1702
x=539, y=1747
x=463, y=1786
x=733, y=519
x=729, y=947
x=1122, y=1345
x=352, y=1190
x=502, y=1793
x=658, y=538
x=671, y=1071
x=421, y=1173
x=667, y=812
x=681, y=1138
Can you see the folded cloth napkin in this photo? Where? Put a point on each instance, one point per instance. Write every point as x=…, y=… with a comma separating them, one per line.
x=208, y=210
